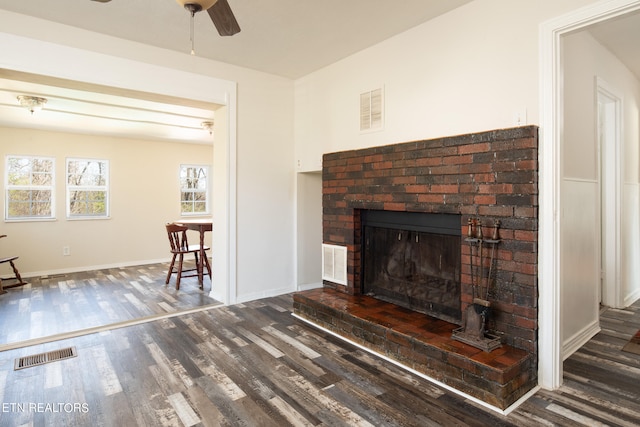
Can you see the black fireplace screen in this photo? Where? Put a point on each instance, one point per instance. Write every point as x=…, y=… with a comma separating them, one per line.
x=413, y=260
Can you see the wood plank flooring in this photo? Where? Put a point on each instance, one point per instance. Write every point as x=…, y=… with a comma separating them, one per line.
x=60, y=304
x=254, y=364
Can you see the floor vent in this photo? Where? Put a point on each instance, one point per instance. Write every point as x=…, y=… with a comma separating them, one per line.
x=52, y=276
x=42, y=358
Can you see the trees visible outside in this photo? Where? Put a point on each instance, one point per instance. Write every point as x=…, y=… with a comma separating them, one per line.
x=87, y=188
x=29, y=187
x=194, y=189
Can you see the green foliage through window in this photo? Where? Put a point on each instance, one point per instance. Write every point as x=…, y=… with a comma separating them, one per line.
x=29, y=187
x=87, y=188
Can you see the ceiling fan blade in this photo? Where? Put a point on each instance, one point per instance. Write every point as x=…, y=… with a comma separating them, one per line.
x=102, y=1
x=223, y=18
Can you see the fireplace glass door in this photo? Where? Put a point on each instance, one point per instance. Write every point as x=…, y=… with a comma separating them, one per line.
x=416, y=269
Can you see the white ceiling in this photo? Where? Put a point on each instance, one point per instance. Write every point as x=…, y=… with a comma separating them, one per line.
x=98, y=110
x=621, y=36
x=290, y=38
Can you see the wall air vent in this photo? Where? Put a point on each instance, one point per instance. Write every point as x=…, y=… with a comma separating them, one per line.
x=334, y=264
x=371, y=110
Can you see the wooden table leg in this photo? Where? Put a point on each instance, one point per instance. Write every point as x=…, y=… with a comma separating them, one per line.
x=200, y=265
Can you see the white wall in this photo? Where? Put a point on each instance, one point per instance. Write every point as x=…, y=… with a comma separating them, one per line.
x=261, y=258
x=473, y=69
x=470, y=70
x=309, y=230
x=584, y=60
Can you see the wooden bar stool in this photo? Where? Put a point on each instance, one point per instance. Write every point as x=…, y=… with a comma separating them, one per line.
x=16, y=274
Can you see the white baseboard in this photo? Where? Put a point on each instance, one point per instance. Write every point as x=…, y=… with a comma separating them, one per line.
x=579, y=339
x=631, y=298
x=78, y=269
x=309, y=286
x=264, y=294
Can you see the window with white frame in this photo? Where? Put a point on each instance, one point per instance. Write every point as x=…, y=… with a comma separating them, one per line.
x=87, y=188
x=29, y=187
x=194, y=189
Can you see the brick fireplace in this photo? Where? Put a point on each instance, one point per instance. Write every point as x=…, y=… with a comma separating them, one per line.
x=483, y=177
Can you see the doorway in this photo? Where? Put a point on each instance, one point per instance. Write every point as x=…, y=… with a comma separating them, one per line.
x=609, y=107
x=551, y=302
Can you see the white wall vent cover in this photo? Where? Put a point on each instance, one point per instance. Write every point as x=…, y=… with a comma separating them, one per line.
x=371, y=110
x=334, y=263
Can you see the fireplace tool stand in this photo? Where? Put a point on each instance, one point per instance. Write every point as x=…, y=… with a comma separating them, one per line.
x=474, y=330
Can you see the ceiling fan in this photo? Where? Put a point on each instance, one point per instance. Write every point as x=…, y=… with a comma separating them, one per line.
x=219, y=11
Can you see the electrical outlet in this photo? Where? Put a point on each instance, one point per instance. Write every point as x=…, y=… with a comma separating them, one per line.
x=66, y=251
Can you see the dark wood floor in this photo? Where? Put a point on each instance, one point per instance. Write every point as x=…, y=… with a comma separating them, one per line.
x=254, y=364
x=62, y=304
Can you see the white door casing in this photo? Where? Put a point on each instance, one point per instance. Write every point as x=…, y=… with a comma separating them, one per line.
x=551, y=102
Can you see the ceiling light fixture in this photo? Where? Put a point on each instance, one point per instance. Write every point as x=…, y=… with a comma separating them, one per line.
x=32, y=103
x=195, y=6
x=208, y=126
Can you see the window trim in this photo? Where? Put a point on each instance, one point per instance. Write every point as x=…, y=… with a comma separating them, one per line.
x=8, y=187
x=106, y=188
x=207, y=191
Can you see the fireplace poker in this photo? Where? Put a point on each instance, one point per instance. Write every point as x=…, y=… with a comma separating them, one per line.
x=481, y=260
x=470, y=239
x=494, y=243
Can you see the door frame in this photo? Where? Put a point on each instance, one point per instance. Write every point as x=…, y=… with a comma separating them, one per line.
x=609, y=137
x=551, y=126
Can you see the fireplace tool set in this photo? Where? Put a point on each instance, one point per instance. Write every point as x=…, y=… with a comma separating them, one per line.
x=474, y=330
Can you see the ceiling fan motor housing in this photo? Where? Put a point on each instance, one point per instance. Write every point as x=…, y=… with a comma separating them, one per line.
x=195, y=6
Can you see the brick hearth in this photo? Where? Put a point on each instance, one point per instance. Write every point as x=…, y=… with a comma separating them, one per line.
x=485, y=177
x=420, y=342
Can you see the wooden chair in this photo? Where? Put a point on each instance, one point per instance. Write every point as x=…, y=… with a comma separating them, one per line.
x=179, y=248
x=16, y=274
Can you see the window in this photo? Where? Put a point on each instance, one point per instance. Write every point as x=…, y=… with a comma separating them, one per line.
x=194, y=189
x=29, y=187
x=87, y=188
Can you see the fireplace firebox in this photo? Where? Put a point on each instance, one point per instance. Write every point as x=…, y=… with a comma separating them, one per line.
x=412, y=259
